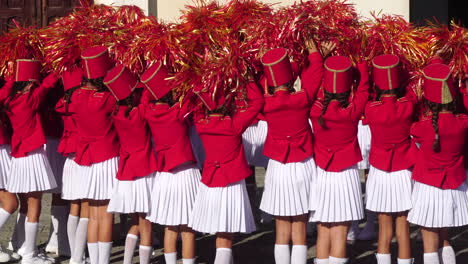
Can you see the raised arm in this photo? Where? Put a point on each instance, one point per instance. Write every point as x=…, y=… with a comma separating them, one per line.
x=255, y=100
x=47, y=84
x=311, y=77
x=361, y=95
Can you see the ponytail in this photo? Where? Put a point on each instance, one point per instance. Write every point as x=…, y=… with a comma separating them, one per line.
x=342, y=98
x=435, y=109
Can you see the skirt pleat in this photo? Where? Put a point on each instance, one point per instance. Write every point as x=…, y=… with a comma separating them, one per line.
x=73, y=180
x=253, y=139
x=132, y=196
x=436, y=208
x=31, y=173
x=287, y=187
x=56, y=161
x=5, y=165
x=388, y=192
x=100, y=179
x=364, y=140
x=336, y=196
x=222, y=209
x=173, y=195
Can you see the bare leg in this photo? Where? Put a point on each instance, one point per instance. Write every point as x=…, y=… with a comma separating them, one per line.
x=338, y=234
x=299, y=230
x=170, y=239
x=385, y=233
x=145, y=231
x=283, y=230
x=403, y=236
x=188, y=242
x=323, y=240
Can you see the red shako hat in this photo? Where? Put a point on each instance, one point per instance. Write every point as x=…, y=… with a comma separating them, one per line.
x=438, y=86
x=155, y=79
x=120, y=81
x=96, y=62
x=27, y=70
x=277, y=68
x=386, y=72
x=338, y=76
x=72, y=78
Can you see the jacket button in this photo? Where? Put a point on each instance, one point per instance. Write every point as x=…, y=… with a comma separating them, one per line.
x=329, y=150
x=217, y=165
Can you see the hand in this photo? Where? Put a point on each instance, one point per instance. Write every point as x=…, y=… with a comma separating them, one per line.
x=441, y=53
x=310, y=45
x=327, y=48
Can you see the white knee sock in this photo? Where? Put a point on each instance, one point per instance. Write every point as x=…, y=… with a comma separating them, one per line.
x=321, y=261
x=30, y=231
x=79, y=245
x=72, y=225
x=105, y=249
x=299, y=254
x=188, y=261
x=447, y=255
x=405, y=261
x=223, y=256
x=4, y=215
x=383, y=258
x=431, y=258
x=93, y=250
x=333, y=260
x=145, y=254
x=171, y=258
x=282, y=254
x=60, y=214
x=129, y=251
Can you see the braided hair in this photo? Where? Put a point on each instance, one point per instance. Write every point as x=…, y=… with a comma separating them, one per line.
x=130, y=102
x=435, y=109
x=342, y=98
x=17, y=87
x=289, y=85
x=398, y=92
x=98, y=83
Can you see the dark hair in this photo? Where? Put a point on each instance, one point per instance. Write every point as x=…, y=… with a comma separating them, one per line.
x=399, y=92
x=342, y=98
x=131, y=101
x=17, y=87
x=67, y=96
x=288, y=85
x=167, y=99
x=98, y=83
x=435, y=109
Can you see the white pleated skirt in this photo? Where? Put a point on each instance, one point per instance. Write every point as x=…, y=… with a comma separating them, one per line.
x=253, y=139
x=336, y=196
x=132, y=196
x=100, y=179
x=388, y=192
x=56, y=161
x=173, y=195
x=74, y=180
x=31, y=173
x=436, y=208
x=197, y=147
x=5, y=164
x=364, y=140
x=287, y=187
x=222, y=209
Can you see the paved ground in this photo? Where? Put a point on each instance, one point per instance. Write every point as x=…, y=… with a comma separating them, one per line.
x=249, y=249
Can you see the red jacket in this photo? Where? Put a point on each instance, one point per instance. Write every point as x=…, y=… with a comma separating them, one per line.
x=98, y=139
x=69, y=140
x=289, y=137
x=221, y=136
x=390, y=120
x=170, y=134
x=5, y=135
x=23, y=112
x=136, y=151
x=444, y=169
x=336, y=146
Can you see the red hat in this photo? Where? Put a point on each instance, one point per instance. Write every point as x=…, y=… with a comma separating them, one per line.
x=28, y=70
x=338, y=75
x=277, y=68
x=72, y=78
x=438, y=86
x=155, y=80
x=120, y=82
x=96, y=62
x=386, y=72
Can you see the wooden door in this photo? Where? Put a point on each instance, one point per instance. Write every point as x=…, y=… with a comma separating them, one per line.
x=52, y=9
x=23, y=11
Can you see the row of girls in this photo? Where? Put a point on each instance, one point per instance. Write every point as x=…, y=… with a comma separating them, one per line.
x=115, y=123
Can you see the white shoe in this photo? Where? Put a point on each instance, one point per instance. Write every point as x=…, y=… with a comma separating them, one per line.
x=4, y=256
x=15, y=256
x=52, y=249
x=33, y=258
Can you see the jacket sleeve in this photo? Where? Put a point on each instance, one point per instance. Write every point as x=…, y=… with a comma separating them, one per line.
x=361, y=95
x=6, y=90
x=311, y=77
x=464, y=93
x=243, y=119
x=416, y=132
x=47, y=84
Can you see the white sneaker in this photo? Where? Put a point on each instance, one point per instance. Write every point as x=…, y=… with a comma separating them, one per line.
x=15, y=256
x=52, y=249
x=4, y=256
x=33, y=258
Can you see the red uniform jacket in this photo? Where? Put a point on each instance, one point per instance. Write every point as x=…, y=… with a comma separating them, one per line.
x=170, y=134
x=444, y=169
x=136, y=150
x=289, y=137
x=23, y=112
x=221, y=136
x=390, y=120
x=5, y=127
x=51, y=120
x=69, y=140
x=98, y=140
x=336, y=146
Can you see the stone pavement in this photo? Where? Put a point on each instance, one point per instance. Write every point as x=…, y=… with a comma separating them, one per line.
x=256, y=248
